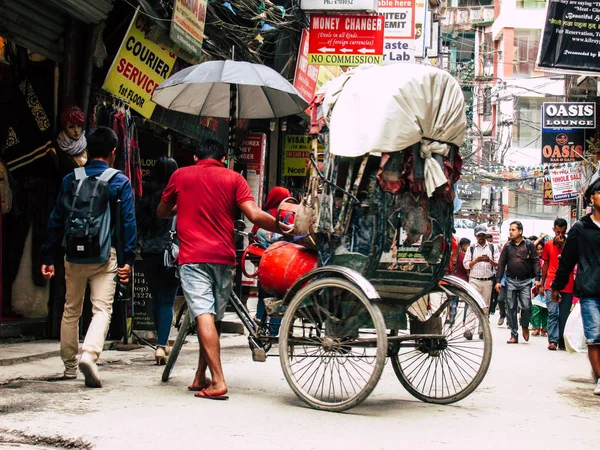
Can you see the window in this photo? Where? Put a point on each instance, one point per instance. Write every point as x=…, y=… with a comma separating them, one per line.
x=525, y=52
x=531, y=4
x=528, y=119
x=487, y=103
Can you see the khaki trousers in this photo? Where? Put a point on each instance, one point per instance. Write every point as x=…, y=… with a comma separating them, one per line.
x=485, y=289
x=101, y=278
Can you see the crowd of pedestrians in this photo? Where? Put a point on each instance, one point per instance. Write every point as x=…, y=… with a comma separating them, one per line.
x=537, y=280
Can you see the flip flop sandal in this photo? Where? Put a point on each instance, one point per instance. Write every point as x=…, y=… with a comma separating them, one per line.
x=206, y=395
x=199, y=389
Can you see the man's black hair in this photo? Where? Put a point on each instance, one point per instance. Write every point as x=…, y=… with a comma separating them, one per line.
x=464, y=241
x=560, y=223
x=533, y=238
x=592, y=189
x=518, y=224
x=101, y=143
x=210, y=149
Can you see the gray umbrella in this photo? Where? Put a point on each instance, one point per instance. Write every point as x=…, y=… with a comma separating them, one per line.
x=206, y=89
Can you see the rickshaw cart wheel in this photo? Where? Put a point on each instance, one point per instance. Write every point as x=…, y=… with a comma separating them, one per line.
x=447, y=367
x=332, y=344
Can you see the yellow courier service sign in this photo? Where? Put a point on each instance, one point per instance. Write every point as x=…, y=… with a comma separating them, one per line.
x=139, y=67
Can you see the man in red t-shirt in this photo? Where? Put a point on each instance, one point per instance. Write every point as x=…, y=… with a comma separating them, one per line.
x=557, y=312
x=205, y=197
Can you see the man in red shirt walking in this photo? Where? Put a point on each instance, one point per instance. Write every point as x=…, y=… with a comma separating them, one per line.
x=557, y=312
x=205, y=197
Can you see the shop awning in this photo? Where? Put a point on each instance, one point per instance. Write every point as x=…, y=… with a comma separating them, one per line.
x=86, y=11
x=34, y=25
x=40, y=26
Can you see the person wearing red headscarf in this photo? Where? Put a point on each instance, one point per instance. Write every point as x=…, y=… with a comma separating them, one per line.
x=71, y=143
x=274, y=199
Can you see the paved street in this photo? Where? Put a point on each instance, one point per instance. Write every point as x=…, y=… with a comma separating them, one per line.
x=531, y=398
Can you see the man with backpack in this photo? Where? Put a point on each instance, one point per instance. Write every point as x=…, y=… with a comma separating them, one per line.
x=84, y=221
x=481, y=259
x=522, y=263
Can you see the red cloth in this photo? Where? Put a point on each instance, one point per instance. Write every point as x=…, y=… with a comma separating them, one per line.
x=551, y=254
x=206, y=196
x=461, y=272
x=451, y=269
x=274, y=198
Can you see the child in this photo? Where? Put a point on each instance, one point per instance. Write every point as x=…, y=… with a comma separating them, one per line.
x=539, y=310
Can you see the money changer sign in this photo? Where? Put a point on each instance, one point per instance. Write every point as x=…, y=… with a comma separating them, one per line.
x=139, y=67
x=346, y=40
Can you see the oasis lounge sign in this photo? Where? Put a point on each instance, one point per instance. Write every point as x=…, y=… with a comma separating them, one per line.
x=569, y=115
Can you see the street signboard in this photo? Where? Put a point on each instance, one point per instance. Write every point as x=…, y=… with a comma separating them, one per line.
x=337, y=40
x=187, y=27
x=339, y=5
x=569, y=41
x=399, y=18
x=566, y=182
x=305, y=78
x=549, y=195
x=296, y=154
x=406, y=49
x=562, y=145
x=569, y=115
x=139, y=67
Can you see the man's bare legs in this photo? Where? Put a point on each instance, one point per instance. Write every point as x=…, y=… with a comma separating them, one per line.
x=594, y=356
x=209, y=355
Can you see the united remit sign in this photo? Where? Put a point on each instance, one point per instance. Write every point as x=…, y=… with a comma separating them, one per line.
x=337, y=40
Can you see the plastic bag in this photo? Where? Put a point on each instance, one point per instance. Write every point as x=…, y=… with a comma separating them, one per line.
x=574, y=334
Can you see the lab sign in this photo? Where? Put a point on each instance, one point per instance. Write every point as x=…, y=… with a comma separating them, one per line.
x=569, y=115
x=338, y=5
x=337, y=40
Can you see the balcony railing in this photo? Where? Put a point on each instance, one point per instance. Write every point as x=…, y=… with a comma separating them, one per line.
x=476, y=15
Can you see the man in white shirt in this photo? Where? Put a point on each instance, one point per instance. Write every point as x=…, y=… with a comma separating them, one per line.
x=481, y=260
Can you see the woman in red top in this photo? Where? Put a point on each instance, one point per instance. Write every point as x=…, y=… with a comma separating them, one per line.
x=274, y=199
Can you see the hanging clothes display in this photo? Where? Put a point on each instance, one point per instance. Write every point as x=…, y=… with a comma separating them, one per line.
x=31, y=158
x=115, y=115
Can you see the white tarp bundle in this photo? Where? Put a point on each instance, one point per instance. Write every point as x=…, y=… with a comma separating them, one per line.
x=389, y=108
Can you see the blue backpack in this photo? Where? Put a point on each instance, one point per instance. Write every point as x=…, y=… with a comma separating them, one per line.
x=87, y=238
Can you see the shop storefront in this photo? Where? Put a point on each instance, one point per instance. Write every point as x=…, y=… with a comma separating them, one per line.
x=45, y=60
x=73, y=52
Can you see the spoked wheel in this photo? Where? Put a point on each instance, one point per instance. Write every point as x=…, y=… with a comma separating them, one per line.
x=184, y=330
x=332, y=345
x=449, y=363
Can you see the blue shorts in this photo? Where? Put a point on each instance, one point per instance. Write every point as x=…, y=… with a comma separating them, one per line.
x=590, y=314
x=207, y=288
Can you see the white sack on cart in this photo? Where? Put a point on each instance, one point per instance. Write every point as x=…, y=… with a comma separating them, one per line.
x=389, y=108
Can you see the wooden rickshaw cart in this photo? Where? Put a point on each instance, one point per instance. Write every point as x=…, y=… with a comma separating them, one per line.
x=363, y=276
x=378, y=215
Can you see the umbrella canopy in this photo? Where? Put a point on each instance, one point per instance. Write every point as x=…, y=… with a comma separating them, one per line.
x=205, y=90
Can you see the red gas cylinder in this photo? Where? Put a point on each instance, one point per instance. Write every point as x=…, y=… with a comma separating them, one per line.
x=282, y=264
